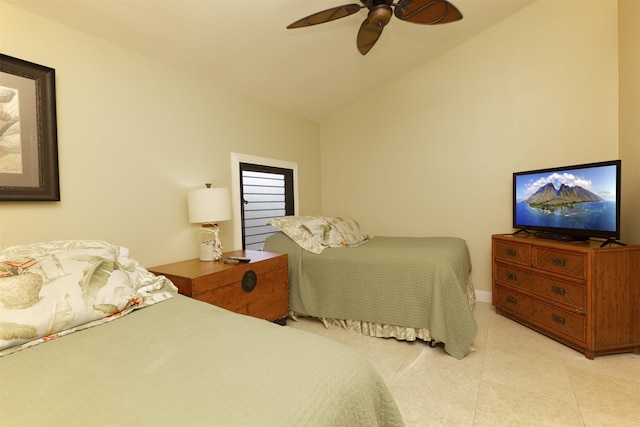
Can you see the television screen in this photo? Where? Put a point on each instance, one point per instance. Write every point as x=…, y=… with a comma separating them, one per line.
x=569, y=203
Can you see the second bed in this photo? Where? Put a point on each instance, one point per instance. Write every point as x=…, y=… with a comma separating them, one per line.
x=403, y=287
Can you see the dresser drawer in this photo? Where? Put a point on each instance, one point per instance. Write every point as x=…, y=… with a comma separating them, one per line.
x=568, y=263
x=514, y=276
x=570, y=294
x=512, y=252
x=560, y=321
x=567, y=293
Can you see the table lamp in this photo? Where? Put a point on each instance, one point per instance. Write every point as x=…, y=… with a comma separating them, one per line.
x=208, y=206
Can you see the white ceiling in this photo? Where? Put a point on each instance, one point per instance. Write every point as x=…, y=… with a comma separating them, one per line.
x=244, y=44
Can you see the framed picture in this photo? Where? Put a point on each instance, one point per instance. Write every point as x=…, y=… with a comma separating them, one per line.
x=28, y=132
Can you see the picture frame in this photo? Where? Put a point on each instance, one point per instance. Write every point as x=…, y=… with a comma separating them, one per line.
x=28, y=132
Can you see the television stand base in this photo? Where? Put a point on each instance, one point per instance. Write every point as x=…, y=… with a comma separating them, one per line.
x=561, y=237
x=611, y=242
x=522, y=230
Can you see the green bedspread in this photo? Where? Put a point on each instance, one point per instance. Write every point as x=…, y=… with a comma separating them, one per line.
x=186, y=363
x=401, y=281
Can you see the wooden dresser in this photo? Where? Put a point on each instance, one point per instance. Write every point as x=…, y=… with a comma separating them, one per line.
x=259, y=288
x=577, y=293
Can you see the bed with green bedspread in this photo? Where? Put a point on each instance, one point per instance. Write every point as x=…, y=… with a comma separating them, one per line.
x=151, y=357
x=388, y=282
x=182, y=362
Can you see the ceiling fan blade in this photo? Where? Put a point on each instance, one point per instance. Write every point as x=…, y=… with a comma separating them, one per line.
x=368, y=35
x=372, y=27
x=428, y=12
x=326, y=15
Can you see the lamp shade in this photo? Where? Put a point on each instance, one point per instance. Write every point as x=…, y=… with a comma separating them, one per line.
x=209, y=205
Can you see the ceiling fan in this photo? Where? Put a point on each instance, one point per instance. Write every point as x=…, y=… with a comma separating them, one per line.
x=429, y=12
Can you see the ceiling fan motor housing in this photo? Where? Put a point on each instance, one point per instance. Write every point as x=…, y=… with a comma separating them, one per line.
x=370, y=4
x=380, y=15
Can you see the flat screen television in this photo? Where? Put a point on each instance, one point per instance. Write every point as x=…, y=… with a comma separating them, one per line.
x=569, y=203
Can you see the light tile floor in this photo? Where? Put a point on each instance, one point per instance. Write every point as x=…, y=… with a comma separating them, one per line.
x=515, y=377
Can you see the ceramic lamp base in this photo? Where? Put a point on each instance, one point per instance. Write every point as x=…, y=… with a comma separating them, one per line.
x=210, y=245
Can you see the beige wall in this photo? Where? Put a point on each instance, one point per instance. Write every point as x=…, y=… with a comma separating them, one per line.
x=629, y=32
x=434, y=152
x=134, y=136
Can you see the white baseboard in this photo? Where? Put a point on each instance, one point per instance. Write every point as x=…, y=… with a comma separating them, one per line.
x=483, y=296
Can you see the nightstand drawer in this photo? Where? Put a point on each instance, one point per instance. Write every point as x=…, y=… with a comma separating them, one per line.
x=233, y=274
x=259, y=288
x=264, y=292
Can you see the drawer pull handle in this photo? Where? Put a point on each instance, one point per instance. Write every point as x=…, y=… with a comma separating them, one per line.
x=249, y=281
x=512, y=276
x=511, y=252
x=558, y=261
x=512, y=300
x=557, y=319
x=557, y=290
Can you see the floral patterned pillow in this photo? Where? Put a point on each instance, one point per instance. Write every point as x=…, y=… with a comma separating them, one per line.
x=318, y=227
x=293, y=226
x=315, y=233
x=47, y=289
x=349, y=229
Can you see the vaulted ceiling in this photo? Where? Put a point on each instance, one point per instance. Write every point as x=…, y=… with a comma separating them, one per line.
x=244, y=44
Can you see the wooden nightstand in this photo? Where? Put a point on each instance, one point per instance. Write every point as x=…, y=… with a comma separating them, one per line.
x=259, y=288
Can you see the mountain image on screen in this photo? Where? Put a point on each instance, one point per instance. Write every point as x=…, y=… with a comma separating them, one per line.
x=547, y=198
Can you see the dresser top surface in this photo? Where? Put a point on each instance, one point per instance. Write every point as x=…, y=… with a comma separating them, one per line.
x=588, y=244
